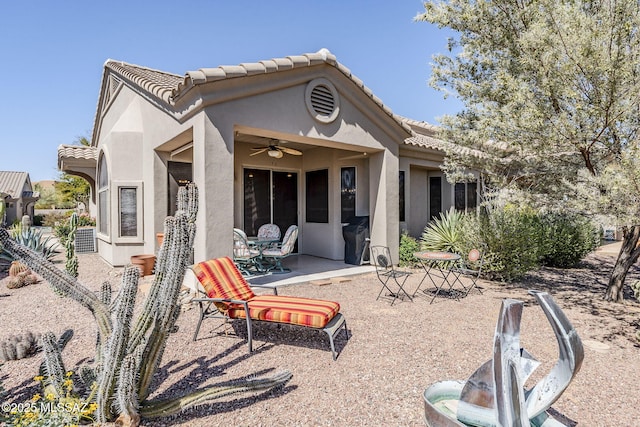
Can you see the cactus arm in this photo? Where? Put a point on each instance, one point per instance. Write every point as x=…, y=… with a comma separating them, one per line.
x=162, y=408
x=126, y=395
x=114, y=348
x=153, y=354
x=53, y=364
x=146, y=317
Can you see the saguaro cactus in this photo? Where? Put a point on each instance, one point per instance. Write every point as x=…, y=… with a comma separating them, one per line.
x=129, y=352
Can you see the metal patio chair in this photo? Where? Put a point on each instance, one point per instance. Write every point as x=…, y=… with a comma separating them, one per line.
x=276, y=254
x=381, y=256
x=244, y=256
x=469, y=266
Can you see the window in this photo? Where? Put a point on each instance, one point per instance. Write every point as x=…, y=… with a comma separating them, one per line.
x=465, y=196
x=128, y=200
x=435, y=197
x=103, y=197
x=347, y=193
x=317, y=192
x=401, y=191
x=128, y=211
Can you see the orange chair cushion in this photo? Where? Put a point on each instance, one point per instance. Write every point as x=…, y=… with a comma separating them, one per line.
x=220, y=278
x=314, y=313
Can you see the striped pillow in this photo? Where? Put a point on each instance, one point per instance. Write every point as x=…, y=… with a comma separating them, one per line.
x=292, y=310
x=221, y=279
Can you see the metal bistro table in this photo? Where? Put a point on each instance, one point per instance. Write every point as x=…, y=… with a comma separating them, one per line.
x=261, y=245
x=434, y=264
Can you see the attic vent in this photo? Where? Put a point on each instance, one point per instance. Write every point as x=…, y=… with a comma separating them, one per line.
x=113, y=85
x=322, y=100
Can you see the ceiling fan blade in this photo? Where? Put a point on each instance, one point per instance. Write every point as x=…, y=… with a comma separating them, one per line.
x=291, y=151
x=260, y=150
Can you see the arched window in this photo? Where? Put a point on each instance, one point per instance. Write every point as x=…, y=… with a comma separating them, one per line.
x=103, y=196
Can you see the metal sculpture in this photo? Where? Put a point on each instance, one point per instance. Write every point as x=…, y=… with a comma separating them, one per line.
x=494, y=395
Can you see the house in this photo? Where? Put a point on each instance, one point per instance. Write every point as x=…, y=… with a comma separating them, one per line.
x=296, y=140
x=17, y=193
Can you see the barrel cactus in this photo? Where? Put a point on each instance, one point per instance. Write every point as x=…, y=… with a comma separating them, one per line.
x=19, y=346
x=130, y=347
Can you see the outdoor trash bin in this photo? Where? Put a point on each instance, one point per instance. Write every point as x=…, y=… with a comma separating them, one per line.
x=356, y=234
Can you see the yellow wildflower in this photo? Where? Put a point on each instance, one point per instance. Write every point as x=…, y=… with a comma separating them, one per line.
x=68, y=383
x=69, y=373
x=50, y=396
x=36, y=397
x=38, y=378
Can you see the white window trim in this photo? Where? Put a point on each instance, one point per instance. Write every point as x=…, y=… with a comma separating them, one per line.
x=115, y=211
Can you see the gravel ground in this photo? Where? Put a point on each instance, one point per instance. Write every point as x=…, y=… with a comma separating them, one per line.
x=392, y=355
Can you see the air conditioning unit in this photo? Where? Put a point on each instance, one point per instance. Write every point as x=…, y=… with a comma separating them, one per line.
x=85, y=240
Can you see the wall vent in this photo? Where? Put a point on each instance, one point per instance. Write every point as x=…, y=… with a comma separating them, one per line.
x=85, y=240
x=322, y=100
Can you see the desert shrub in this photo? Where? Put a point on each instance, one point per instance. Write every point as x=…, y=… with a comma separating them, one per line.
x=54, y=218
x=567, y=239
x=37, y=220
x=513, y=240
x=408, y=246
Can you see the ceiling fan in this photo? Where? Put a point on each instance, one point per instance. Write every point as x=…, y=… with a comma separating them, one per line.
x=276, y=151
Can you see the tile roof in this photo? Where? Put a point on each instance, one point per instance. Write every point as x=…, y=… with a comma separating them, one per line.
x=78, y=152
x=159, y=83
x=170, y=87
x=11, y=183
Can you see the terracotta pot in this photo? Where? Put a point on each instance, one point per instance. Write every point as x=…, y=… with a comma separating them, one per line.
x=159, y=239
x=145, y=263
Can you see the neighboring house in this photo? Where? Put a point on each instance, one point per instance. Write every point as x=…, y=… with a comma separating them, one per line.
x=18, y=195
x=155, y=131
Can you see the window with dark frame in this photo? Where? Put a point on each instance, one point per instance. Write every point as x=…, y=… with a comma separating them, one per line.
x=347, y=193
x=401, y=195
x=465, y=196
x=317, y=196
x=435, y=197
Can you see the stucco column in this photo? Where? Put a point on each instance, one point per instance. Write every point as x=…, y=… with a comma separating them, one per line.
x=384, y=220
x=213, y=174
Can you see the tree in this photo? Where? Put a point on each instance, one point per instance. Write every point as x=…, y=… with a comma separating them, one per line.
x=551, y=93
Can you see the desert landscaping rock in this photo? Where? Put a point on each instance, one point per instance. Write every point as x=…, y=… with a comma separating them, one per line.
x=392, y=355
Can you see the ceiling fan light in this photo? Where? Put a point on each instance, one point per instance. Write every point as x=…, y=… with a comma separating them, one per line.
x=275, y=153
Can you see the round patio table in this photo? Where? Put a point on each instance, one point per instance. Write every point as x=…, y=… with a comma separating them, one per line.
x=434, y=264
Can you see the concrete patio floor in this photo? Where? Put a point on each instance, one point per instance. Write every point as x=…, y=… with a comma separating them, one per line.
x=306, y=268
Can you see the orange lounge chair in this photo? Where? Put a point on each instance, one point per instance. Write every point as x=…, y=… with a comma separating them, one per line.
x=229, y=296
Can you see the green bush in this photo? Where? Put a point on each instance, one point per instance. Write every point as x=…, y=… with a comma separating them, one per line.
x=513, y=239
x=408, y=246
x=37, y=220
x=567, y=239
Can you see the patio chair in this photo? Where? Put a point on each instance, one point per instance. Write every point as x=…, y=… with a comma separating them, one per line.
x=469, y=267
x=269, y=232
x=230, y=297
x=276, y=254
x=245, y=258
x=386, y=273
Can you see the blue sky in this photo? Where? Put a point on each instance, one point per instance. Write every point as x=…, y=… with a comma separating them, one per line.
x=53, y=53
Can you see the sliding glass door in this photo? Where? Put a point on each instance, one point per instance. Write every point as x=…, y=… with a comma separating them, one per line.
x=270, y=197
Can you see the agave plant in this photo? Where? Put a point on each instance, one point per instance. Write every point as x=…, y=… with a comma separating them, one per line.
x=445, y=233
x=34, y=239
